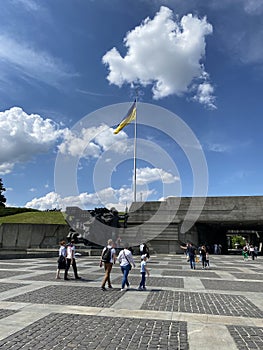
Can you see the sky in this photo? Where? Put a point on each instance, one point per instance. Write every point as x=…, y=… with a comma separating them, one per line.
x=71, y=69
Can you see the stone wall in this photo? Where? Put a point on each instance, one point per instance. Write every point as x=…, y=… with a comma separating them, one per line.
x=24, y=236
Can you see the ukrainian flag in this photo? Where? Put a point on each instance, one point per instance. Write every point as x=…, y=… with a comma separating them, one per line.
x=130, y=116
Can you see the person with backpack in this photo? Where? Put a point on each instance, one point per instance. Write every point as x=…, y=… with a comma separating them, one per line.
x=108, y=258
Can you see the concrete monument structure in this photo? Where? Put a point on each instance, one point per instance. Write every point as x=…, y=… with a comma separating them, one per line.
x=213, y=220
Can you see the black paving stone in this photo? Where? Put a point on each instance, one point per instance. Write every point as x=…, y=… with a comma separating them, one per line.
x=201, y=303
x=4, y=313
x=246, y=286
x=247, y=338
x=248, y=276
x=8, y=273
x=60, y=331
x=7, y=286
x=70, y=295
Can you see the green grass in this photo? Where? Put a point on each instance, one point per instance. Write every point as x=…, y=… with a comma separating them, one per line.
x=42, y=217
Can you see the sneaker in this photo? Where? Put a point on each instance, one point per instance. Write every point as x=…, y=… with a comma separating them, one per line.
x=103, y=288
x=66, y=279
x=129, y=287
x=123, y=290
x=144, y=288
x=110, y=287
x=139, y=288
x=78, y=278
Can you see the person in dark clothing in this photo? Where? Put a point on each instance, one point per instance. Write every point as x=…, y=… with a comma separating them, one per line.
x=191, y=251
x=203, y=256
x=144, y=250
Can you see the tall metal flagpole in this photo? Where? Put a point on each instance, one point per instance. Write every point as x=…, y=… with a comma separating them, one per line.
x=134, y=153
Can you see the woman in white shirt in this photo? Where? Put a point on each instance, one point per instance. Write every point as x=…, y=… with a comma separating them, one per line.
x=126, y=261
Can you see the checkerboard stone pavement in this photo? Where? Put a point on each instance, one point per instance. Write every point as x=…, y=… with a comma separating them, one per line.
x=217, y=308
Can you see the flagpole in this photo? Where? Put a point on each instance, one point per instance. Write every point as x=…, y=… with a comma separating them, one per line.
x=134, y=154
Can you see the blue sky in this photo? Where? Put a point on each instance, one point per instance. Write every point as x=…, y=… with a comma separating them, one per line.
x=69, y=73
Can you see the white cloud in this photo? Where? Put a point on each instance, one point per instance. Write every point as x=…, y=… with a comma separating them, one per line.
x=19, y=58
x=107, y=197
x=22, y=136
x=91, y=142
x=147, y=175
x=163, y=53
x=205, y=95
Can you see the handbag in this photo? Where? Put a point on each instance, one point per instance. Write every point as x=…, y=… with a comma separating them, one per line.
x=130, y=265
x=62, y=262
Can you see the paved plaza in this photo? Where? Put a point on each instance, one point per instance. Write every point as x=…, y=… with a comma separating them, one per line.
x=217, y=308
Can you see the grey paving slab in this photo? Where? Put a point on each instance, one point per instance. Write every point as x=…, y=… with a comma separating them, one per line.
x=152, y=281
x=51, y=276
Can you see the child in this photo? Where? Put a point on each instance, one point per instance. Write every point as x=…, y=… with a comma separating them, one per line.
x=207, y=260
x=144, y=270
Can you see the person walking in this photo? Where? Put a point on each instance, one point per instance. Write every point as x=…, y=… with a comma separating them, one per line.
x=144, y=270
x=144, y=250
x=108, y=258
x=252, y=251
x=203, y=256
x=207, y=259
x=191, y=251
x=61, y=258
x=126, y=261
x=245, y=253
x=71, y=251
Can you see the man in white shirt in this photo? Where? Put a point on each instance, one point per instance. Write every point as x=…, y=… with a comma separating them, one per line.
x=71, y=249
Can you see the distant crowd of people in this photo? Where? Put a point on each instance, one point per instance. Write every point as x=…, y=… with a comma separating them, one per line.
x=195, y=255
x=249, y=250
x=201, y=254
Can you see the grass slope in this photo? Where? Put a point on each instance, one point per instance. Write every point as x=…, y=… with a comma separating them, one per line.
x=46, y=217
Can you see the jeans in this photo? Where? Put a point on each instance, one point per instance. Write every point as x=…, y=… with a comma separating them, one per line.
x=192, y=261
x=125, y=271
x=142, y=283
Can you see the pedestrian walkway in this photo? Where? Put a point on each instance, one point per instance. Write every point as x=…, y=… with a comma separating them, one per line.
x=217, y=308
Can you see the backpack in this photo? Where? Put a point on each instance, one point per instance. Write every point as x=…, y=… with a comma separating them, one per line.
x=106, y=256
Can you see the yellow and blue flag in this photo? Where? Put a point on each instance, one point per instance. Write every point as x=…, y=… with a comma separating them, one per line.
x=130, y=116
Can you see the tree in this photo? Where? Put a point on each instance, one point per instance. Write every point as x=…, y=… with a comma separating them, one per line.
x=2, y=197
x=238, y=241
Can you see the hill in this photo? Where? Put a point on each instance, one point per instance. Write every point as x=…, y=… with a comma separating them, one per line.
x=34, y=217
